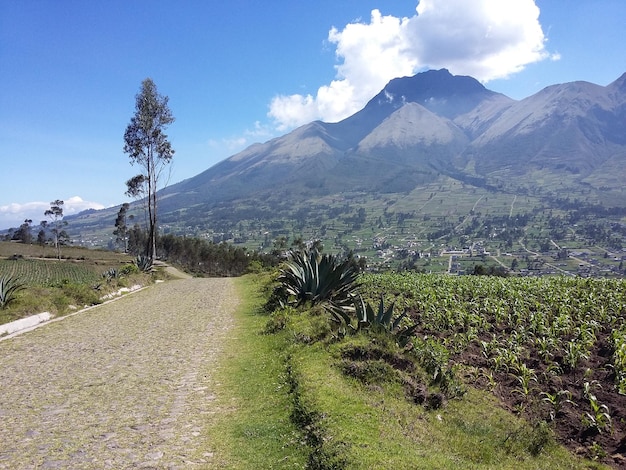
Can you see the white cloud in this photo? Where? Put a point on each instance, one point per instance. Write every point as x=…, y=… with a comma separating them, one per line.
x=486, y=39
x=234, y=144
x=13, y=215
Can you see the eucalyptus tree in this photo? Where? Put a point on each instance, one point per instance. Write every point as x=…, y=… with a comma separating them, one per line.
x=148, y=147
x=55, y=213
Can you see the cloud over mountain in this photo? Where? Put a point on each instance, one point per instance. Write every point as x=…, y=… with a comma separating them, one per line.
x=486, y=39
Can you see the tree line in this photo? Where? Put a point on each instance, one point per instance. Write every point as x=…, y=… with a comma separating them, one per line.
x=201, y=257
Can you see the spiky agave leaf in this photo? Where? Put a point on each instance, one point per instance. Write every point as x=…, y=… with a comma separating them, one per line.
x=9, y=286
x=384, y=316
x=383, y=320
x=318, y=278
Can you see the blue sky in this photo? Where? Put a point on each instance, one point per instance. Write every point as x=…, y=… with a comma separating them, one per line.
x=238, y=72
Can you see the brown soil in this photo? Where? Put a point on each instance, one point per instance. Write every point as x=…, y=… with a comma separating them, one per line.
x=124, y=385
x=607, y=445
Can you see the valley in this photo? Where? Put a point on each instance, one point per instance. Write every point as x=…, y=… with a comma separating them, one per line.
x=445, y=226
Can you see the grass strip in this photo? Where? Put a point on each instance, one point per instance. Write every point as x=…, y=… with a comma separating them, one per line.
x=253, y=427
x=376, y=427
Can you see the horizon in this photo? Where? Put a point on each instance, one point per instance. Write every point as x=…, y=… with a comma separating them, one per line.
x=67, y=121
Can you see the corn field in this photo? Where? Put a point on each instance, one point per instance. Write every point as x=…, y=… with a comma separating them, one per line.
x=552, y=348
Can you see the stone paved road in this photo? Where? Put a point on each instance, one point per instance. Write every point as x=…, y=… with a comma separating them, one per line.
x=125, y=385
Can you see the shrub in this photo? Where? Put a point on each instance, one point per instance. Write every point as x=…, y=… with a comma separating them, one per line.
x=129, y=269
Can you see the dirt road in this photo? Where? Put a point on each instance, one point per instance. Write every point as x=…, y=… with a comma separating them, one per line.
x=124, y=385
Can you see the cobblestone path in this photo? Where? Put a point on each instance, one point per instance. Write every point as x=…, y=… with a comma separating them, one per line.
x=124, y=385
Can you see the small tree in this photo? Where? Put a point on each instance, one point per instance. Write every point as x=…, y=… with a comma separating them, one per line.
x=147, y=146
x=121, y=227
x=24, y=234
x=55, y=213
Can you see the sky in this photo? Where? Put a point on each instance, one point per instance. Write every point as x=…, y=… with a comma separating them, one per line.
x=243, y=71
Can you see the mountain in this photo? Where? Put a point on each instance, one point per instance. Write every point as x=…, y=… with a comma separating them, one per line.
x=418, y=131
x=410, y=122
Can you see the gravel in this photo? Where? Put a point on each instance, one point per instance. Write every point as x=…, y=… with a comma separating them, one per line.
x=125, y=385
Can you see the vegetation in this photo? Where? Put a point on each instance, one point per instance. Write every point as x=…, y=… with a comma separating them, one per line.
x=544, y=229
x=82, y=277
x=310, y=277
x=55, y=213
x=548, y=348
x=383, y=320
x=9, y=286
x=147, y=146
x=205, y=258
x=121, y=227
x=362, y=399
x=144, y=263
x=253, y=428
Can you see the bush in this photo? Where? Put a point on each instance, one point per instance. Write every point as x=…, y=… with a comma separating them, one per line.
x=129, y=269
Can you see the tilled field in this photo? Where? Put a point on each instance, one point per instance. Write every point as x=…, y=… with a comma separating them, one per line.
x=124, y=385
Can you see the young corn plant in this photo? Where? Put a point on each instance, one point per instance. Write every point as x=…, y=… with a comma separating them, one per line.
x=589, y=387
x=574, y=352
x=557, y=400
x=599, y=419
x=525, y=377
x=619, y=361
x=9, y=286
x=545, y=347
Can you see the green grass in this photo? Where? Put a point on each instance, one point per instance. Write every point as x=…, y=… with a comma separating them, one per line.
x=253, y=428
x=376, y=427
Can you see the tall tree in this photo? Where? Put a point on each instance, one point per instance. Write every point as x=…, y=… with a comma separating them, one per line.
x=55, y=213
x=147, y=146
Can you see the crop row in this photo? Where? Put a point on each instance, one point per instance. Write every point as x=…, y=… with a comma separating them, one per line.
x=47, y=273
x=555, y=347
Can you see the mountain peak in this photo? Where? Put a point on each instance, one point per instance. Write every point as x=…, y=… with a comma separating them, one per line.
x=437, y=90
x=434, y=83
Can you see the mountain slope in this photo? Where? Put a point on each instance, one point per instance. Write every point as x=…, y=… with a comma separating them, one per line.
x=414, y=134
x=564, y=127
x=407, y=123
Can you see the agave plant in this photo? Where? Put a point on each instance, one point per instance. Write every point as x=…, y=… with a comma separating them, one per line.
x=9, y=286
x=110, y=274
x=144, y=263
x=316, y=278
x=383, y=319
